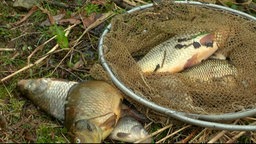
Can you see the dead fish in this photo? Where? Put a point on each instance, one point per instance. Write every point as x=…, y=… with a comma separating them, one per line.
x=98, y=105
x=179, y=52
x=210, y=69
x=48, y=94
x=129, y=130
x=51, y=94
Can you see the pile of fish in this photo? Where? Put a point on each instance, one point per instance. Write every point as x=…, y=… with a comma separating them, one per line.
x=91, y=110
x=186, y=52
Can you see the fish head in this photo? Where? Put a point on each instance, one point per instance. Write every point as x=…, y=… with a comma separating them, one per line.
x=33, y=87
x=138, y=132
x=83, y=131
x=130, y=130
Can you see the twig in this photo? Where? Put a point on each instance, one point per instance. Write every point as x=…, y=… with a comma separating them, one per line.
x=233, y=139
x=172, y=134
x=7, y=90
x=146, y=126
x=129, y=2
x=189, y=136
x=122, y=4
x=7, y=49
x=33, y=9
x=42, y=45
x=140, y=1
x=24, y=35
x=38, y=61
x=219, y=135
x=154, y=133
x=65, y=138
x=93, y=25
x=198, y=135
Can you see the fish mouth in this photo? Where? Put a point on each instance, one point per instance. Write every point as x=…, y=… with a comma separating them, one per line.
x=21, y=84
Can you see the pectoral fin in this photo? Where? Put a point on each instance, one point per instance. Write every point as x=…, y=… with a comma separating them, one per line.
x=192, y=61
x=122, y=135
x=110, y=122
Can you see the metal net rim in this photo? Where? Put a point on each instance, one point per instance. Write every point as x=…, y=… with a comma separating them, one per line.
x=196, y=119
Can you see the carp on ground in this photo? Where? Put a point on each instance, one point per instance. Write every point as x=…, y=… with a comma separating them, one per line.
x=51, y=95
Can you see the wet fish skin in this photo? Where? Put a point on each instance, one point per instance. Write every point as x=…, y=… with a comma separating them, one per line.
x=210, y=69
x=85, y=131
x=129, y=130
x=43, y=91
x=178, y=53
x=99, y=104
x=47, y=93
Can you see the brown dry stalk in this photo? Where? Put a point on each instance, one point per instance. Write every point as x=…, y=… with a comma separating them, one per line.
x=7, y=49
x=172, y=134
x=219, y=135
x=141, y=1
x=31, y=11
x=146, y=126
x=154, y=133
x=233, y=139
x=39, y=60
x=129, y=2
x=93, y=25
x=190, y=136
x=42, y=45
x=192, y=141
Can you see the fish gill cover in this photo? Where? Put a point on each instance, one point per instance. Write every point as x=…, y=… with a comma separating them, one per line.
x=133, y=35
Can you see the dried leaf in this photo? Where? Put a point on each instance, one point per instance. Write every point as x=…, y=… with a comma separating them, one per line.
x=70, y=21
x=50, y=17
x=56, y=18
x=99, y=2
x=87, y=21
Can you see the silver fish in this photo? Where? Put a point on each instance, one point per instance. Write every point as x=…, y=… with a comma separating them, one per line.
x=49, y=94
x=179, y=52
x=90, y=122
x=129, y=130
x=210, y=69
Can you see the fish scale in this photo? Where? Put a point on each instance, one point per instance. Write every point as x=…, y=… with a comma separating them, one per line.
x=91, y=108
x=210, y=69
x=178, y=53
x=49, y=94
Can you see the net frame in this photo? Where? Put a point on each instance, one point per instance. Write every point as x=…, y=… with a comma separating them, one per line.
x=196, y=119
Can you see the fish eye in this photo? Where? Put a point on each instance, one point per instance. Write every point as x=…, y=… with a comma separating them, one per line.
x=78, y=140
x=30, y=85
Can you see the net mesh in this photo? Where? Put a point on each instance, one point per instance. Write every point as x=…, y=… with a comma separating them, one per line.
x=133, y=35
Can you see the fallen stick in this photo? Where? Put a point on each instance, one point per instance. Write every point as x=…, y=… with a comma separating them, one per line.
x=172, y=134
x=38, y=61
x=93, y=25
x=7, y=49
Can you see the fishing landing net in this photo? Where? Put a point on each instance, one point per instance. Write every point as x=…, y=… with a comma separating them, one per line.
x=132, y=35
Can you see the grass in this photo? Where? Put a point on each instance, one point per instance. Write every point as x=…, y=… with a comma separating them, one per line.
x=24, y=122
